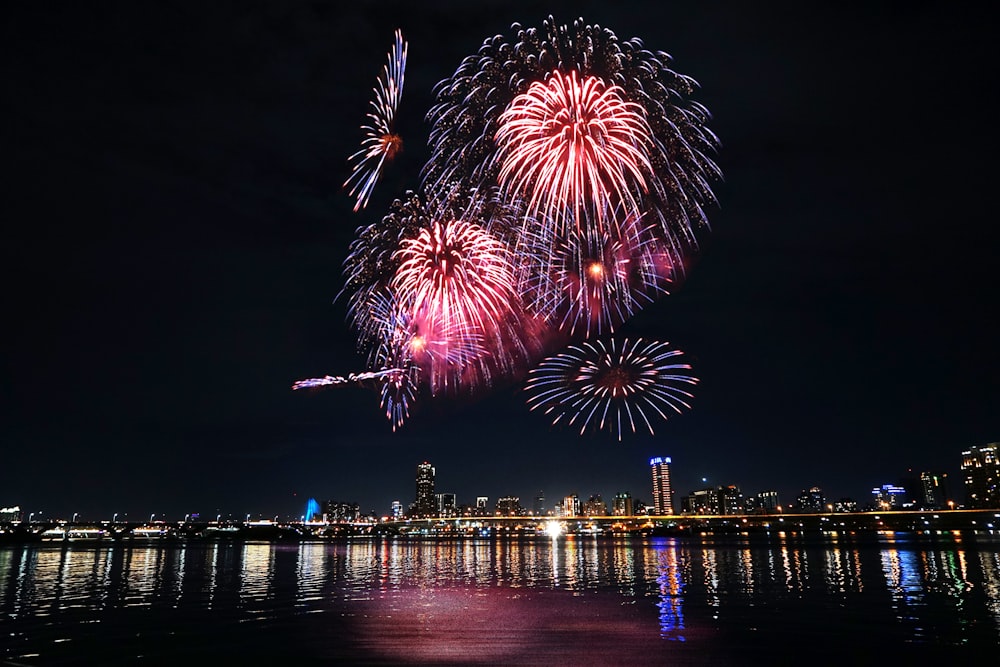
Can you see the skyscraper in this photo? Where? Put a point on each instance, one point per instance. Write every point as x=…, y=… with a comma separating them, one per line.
x=935, y=490
x=981, y=468
x=426, y=502
x=662, y=493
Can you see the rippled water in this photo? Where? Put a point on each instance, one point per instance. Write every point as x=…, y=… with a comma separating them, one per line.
x=584, y=601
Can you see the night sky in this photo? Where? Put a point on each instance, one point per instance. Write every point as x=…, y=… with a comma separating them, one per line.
x=174, y=229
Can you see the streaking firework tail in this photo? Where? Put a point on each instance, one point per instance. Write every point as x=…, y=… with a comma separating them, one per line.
x=397, y=388
x=605, y=387
x=350, y=378
x=381, y=143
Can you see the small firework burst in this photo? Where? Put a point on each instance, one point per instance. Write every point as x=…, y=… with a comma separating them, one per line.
x=573, y=141
x=607, y=387
x=381, y=143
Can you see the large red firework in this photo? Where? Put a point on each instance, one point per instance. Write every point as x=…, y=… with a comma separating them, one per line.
x=459, y=275
x=570, y=142
x=457, y=271
x=657, y=150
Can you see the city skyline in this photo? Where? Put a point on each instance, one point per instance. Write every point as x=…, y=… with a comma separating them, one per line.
x=180, y=227
x=968, y=488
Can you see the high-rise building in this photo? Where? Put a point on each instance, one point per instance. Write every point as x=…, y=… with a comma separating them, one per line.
x=811, y=500
x=934, y=490
x=509, y=506
x=540, y=503
x=397, y=509
x=767, y=501
x=889, y=497
x=725, y=499
x=663, y=502
x=623, y=504
x=426, y=502
x=595, y=506
x=571, y=505
x=981, y=468
x=447, y=504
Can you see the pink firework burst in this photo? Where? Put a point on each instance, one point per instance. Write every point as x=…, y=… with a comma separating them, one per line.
x=457, y=273
x=572, y=142
x=459, y=276
x=381, y=143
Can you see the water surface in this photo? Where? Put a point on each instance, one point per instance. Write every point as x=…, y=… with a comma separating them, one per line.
x=778, y=599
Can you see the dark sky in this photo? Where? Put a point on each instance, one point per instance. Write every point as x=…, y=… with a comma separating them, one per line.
x=174, y=229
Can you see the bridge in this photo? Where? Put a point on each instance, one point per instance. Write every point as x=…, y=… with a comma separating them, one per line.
x=682, y=525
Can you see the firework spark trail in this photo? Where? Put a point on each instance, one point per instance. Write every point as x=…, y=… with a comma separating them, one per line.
x=573, y=141
x=605, y=387
x=381, y=143
x=350, y=378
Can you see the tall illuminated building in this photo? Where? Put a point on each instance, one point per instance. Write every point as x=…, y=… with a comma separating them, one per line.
x=981, y=469
x=934, y=488
x=662, y=492
x=623, y=504
x=426, y=502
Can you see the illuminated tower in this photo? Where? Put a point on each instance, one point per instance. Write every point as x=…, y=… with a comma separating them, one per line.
x=426, y=502
x=662, y=493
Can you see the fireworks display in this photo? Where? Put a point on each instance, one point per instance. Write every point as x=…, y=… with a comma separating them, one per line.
x=567, y=183
x=568, y=143
x=381, y=143
x=600, y=386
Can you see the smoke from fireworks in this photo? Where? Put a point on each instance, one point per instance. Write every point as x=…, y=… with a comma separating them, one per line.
x=381, y=143
x=607, y=387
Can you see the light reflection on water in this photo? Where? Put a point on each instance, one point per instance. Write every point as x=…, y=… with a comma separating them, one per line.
x=595, y=601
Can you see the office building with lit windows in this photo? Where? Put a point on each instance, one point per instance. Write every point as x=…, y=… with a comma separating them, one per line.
x=934, y=490
x=426, y=502
x=662, y=493
x=623, y=504
x=981, y=470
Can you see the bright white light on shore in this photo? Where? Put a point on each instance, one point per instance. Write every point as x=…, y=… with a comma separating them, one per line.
x=553, y=528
